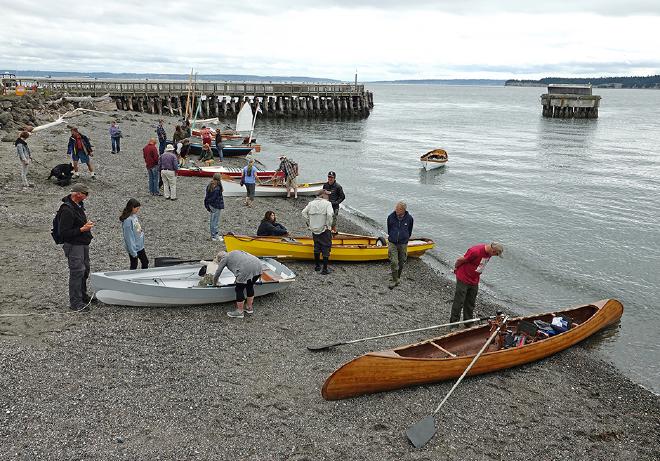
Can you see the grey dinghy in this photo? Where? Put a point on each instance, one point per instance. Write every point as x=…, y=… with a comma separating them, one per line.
x=179, y=285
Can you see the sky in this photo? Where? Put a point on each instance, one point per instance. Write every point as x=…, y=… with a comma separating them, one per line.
x=381, y=39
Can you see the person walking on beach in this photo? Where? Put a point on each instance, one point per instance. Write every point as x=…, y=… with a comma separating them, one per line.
x=319, y=214
x=24, y=156
x=399, y=230
x=168, y=165
x=162, y=137
x=115, y=137
x=336, y=197
x=247, y=270
x=150, y=153
x=80, y=149
x=218, y=143
x=133, y=234
x=214, y=204
x=269, y=227
x=290, y=170
x=75, y=231
x=249, y=179
x=468, y=269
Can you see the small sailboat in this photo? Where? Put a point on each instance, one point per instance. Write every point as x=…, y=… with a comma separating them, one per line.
x=245, y=121
x=434, y=159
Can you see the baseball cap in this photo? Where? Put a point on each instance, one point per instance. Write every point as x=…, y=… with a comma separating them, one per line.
x=80, y=188
x=332, y=174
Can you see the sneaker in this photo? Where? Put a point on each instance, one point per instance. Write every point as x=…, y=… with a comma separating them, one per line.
x=326, y=271
x=317, y=268
x=249, y=311
x=235, y=314
x=221, y=238
x=76, y=175
x=173, y=199
x=215, y=239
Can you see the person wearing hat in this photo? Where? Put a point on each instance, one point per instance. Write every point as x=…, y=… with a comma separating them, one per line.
x=290, y=170
x=336, y=197
x=168, y=164
x=468, y=269
x=214, y=204
x=319, y=214
x=75, y=231
x=162, y=137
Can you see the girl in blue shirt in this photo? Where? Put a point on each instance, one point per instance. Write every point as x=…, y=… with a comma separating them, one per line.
x=249, y=178
x=133, y=234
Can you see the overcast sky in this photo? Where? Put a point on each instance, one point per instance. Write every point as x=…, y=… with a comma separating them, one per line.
x=382, y=39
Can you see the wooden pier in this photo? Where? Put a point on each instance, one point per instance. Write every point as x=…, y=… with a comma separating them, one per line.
x=570, y=101
x=224, y=99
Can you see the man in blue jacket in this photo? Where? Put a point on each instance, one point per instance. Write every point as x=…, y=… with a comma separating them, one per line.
x=399, y=230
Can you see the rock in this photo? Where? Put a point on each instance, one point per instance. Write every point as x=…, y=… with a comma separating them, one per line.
x=6, y=118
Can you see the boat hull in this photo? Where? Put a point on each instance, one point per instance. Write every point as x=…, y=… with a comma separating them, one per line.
x=209, y=171
x=344, y=248
x=227, y=151
x=389, y=370
x=232, y=188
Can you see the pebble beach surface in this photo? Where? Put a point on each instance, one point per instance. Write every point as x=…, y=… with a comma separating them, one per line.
x=190, y=383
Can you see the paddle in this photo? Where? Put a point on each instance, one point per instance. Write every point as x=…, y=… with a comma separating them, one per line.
x=339, y=343
x=168, y=261
x=421, y=432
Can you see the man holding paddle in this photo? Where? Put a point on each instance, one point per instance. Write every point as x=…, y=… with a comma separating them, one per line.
x=468, y=269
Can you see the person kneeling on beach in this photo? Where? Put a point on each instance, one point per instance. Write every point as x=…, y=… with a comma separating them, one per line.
x=247, y=269
x=269, y=227
x=319, y=214
x=399, y=230
x=133, y=235
x=468, y=270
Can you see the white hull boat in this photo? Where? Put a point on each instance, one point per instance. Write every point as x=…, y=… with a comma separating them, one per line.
x=179, y=285
x=232, y=188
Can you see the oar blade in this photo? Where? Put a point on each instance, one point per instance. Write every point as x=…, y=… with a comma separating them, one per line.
x=421, y=432
x=323, y=347
x=165, y=261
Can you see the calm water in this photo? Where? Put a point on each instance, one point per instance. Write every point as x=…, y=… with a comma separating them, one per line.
x=576, y=202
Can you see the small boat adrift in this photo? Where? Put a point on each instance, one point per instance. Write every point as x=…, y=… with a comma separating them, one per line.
x=180, y=285
x=434, y=159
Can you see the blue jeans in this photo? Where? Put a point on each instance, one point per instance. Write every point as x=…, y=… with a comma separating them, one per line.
x=153, y=180
x=115, y=144
x=215, y=221
x=161, y=146
x=220, y=154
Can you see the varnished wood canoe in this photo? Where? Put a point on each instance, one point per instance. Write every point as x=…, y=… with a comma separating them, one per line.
x=431, y=361
x=345, y=247
x=434, y=159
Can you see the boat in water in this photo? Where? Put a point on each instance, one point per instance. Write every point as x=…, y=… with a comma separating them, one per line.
x=179, y=285
x=232, y=187
x=345, y=247
x=434, y=159
x=447, y=357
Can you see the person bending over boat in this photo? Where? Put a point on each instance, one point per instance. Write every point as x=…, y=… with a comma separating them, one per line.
x=399, y=230
x=290, y=170
x=319, y=214
x=247, y=270
x=133, y=235
x=468, y=269
x=214, y=204
x=269, y=227
x=336, y=197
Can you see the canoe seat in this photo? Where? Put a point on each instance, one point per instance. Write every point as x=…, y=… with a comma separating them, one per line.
x=266, y=277
x=451, y=354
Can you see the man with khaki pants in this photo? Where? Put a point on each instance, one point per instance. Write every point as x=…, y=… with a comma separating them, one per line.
x=399, y=229
x=168, y=165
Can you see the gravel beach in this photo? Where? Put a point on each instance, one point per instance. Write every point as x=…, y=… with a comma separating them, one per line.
x=193, y=384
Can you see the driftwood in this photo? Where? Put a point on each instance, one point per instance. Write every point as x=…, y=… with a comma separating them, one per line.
x=64, y=99
x=61, y=118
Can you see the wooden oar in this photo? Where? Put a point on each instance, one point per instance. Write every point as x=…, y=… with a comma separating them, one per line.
x=421, y=432
x=169, y=261
x=339, y=343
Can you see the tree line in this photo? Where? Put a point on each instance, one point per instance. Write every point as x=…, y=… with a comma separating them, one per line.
x=651, y=81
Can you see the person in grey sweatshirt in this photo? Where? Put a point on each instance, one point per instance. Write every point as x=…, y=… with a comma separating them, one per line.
x=24, y=156
x=133, y=234
x=247, y=270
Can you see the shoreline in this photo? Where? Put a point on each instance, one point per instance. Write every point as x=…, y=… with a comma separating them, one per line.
x=190, y=383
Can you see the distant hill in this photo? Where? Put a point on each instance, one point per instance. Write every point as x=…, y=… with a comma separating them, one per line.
x=200, y=77
x=452, y=81
x=652, y=81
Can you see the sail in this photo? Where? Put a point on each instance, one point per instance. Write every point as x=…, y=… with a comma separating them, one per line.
x=244, y=118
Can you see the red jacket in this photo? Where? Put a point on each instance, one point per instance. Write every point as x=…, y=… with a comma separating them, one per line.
x=150, y=153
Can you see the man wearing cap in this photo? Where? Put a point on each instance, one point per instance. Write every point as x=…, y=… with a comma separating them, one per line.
x=290, y=170
x=319, y=213
x=468, y=270
x=399, y=229
x=336, y=197
x=162, y=137
x=75, y=231
x=168, y=165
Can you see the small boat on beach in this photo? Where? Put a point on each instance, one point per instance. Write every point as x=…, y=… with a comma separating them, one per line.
x=179, y=285
x=231, y=187
x=209, y=171
x=345, y=247
x=434, y=159
x=447, y=357
x=227, y=151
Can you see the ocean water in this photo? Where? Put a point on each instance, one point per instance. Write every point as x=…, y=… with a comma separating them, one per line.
x=575, y=202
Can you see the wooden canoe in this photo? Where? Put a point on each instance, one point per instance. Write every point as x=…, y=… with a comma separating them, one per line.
x=434, y=159
x=209, y=171
x=345, y=247
x=446, y=357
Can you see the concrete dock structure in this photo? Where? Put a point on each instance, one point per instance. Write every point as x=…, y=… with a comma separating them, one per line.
x=570, y=101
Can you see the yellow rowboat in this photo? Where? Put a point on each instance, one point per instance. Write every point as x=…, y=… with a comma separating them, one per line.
x=345, y=247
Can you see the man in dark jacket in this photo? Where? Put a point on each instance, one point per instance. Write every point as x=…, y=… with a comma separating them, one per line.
x=336, y=197
x=399, y=230
x=75, y=230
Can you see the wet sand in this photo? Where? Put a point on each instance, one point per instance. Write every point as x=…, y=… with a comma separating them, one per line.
x=191, y=383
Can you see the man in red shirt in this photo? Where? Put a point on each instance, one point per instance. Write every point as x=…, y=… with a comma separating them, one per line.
x=150, y=153
x=468, y=269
